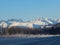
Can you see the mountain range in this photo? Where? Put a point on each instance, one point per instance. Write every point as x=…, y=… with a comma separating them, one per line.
x=37, y=23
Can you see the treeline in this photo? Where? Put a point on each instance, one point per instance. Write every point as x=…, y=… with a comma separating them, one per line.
x=17, y=30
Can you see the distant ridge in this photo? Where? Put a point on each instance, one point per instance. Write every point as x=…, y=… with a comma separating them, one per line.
x=32, y=24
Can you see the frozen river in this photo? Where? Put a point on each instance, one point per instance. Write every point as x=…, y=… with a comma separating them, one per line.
x=30, y=41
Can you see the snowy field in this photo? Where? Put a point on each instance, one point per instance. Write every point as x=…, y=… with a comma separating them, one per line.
x=42, y=40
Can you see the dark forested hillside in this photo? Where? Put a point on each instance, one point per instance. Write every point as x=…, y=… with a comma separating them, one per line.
x=55, y=29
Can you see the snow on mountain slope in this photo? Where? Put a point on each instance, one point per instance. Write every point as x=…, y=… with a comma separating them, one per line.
x=31, y=24
x=3, y=24
x=22, y=24
x=44, y=21
x=58, y=20
x=39, y=22
x=53, y=21
x=48, y=21
x=9, y=22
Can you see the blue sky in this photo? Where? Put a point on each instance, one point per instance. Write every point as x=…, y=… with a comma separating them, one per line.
x=29, y=9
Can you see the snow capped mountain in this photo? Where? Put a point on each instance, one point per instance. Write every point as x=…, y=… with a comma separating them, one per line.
x=13, y=21
x=45, y=21
x=9, y=22
x=3, y=24
x=22, y=24
x=50, y=21
x=40, y=22
x=58, y=20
